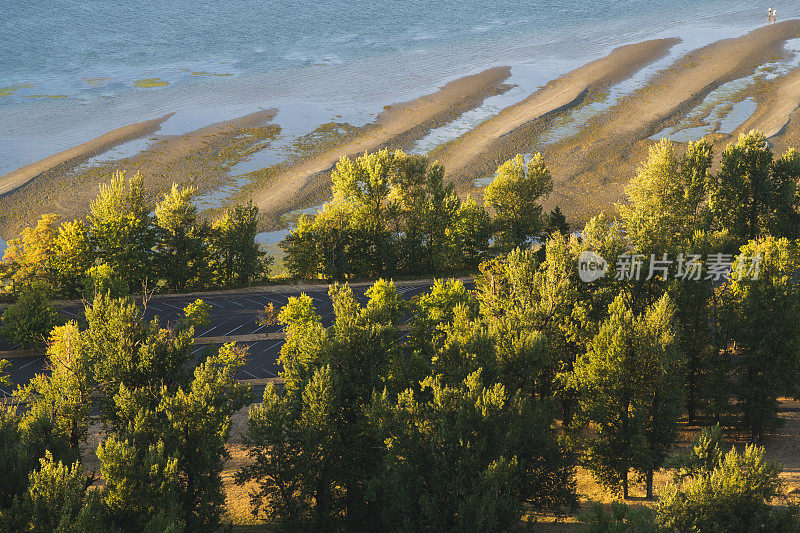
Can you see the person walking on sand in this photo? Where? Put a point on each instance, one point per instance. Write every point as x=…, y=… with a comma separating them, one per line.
x=769, y=16
x=774, y=15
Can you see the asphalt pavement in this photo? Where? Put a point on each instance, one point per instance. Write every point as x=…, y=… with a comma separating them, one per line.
x=233, y=314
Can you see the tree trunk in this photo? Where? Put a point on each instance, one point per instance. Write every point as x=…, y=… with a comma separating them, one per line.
x=649, y=480
x=625, y=485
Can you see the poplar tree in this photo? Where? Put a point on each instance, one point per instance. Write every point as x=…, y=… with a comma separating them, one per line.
x=120, y=227
x=762, y=321
x=514, y=195
x=71, y=256
x=179, y=249
x=628, y=390
x=751, y=194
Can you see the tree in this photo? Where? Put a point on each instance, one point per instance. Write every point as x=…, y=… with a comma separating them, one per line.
x=469, y=235
x=239, y=259
x=71, y=256
x=752, y=195
x=761, y=317
x=730, y=494
x=514, y=195
x=313, y=453
x=101, y=279
x=627, y=385
x=59, y=499
x=299, y=249
x=26, y=259
x=426, y=206
x=465, y=457
x=197, y=428
x=179, y=249
x=557, y=222
x=28, y=321
x=120, y=227
x=667, y=195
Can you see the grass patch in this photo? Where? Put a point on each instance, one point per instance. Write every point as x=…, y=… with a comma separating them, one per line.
x=148, y=83
x=8, y=91
x=204, y=73
x=53, y=96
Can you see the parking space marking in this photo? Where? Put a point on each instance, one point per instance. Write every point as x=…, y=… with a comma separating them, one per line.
x=30, y=362
x=234, y=329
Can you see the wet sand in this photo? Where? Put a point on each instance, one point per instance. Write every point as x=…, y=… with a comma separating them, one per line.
x=778, y=101
x=200, y=158
x=398, y=126
x=590, y=167
x=459, y=157
x=77, y=154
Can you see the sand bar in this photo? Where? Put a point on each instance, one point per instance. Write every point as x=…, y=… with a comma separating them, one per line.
x=776, y=106
x=77, y=154
x=398, y=125
x=557, y=95
x=672, y=93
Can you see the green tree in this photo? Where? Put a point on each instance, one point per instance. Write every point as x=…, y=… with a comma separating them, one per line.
x=239, y=259
x=197, y=428
x=365, y=183
x=142, y=487
x=761, y=320
x=299, y=249
x=29, y=320
x=71, y=256
x=667, y=196
x=627, y=385
x=120, y=227
x=59, y=499
x=752, y=195
x=26, y=259
x=101, y=279
x=514, y=195
x=427, y=207
x=732, y=495
x=465, y=457
x=469, y=235
x=313, y=454
x=179, y=249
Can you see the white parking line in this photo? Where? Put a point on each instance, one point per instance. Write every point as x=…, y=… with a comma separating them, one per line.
x=31, y=362
x=234, y=329
x=249, y=373
x=252, y=301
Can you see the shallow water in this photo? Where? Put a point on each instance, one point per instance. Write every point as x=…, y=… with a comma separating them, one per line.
x=715, y=112
x=348, y=57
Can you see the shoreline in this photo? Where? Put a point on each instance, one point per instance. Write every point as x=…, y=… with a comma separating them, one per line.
x=588, y=166
x=396, y=127
x=75, y=155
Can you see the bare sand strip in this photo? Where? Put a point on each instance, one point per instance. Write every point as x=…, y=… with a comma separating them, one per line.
x=77, y=154
x=557, y=95
x=677, y=89
x=175, y=148
x=775, y=107
x=398, y=125
x=196, y=158
x=591, y=168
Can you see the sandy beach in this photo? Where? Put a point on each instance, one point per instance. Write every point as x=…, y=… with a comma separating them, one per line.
x=200, y=158
x=459, y=157
x=77, y=154
x=590, y=166
x=396, y=128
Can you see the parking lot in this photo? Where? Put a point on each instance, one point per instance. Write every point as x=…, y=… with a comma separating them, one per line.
x=233, y=315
